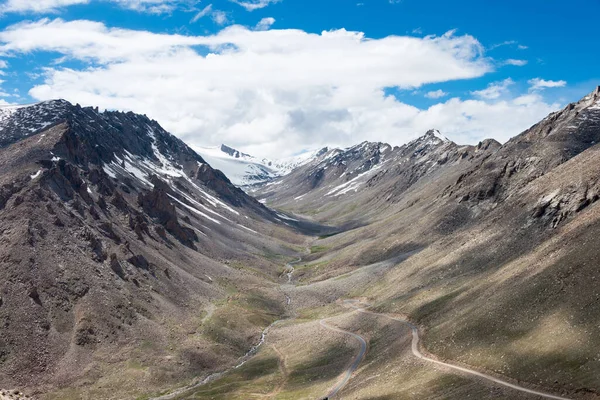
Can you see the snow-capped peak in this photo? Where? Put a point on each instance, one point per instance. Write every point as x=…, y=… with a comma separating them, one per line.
x=21, y=121
x=245, y=170
x=437, y=134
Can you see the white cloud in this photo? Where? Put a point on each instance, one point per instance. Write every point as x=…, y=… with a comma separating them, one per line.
x=251, y=5
x=436, y=94
x=37, y=6
x=202, y=13
x=541, y=84
x=51, y=6
x=517, y=63
x=494, y=90
x=265, y=24
x=219, y=17
x=509, y=43
x=473, y=120
x=271, y=92
x=151, y=6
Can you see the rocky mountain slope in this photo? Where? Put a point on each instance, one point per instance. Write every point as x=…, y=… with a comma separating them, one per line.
x=245, y=170
x=116, y=241
x=338, y=181
x=498, y=247
x=133, y=267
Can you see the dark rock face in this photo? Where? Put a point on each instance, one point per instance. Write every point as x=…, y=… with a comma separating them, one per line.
x=218, y=182
x=555, y=140
x=65, y=180
x=232, y=152
x=156, y=204
x=116, y=267
x=100, y=216
x=392, y=170
x=23, y=122
x=6, y=192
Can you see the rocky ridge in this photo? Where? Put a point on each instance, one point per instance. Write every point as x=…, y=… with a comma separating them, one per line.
x=110, y=227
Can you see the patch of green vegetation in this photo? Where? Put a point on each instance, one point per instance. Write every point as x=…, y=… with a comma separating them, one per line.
x=318, y=249
x=269, y=255
x=243, y=267
x=329, y=235
x=342, y=277
x=306, y=267
x=147, y=345
x=232, y=321
x=227, y=285
x=259, y=375
x=200, y=318
x=350, y=208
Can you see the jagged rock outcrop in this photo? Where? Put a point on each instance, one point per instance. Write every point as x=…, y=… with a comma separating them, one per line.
x=156, y=203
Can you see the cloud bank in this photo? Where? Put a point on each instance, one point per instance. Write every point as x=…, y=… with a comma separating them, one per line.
x=272, y=92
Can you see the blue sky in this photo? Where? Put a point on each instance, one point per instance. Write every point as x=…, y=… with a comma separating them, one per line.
x=273, y=84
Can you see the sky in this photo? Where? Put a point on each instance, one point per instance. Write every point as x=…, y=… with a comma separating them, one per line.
x=274, y=78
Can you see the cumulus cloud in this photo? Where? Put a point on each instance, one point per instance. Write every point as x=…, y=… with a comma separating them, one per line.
x=271, y=92
x=251, y=5
x=494, y=90
x=37, y=6
x=436, y=94
x=265, y=24
x=219, y=17
x=470, y=121
x=541, y=84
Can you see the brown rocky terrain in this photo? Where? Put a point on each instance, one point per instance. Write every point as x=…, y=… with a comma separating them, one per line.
x=134, y=268
x=116, y=240
x=502, y=242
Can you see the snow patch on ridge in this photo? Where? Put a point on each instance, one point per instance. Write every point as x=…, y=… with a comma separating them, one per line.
x=244, y=170
x=352, y=184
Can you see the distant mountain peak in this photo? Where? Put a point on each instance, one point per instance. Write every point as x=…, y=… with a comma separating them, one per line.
x=233, y=152
x=437, y=134
x=591, y=99
x=246, y=170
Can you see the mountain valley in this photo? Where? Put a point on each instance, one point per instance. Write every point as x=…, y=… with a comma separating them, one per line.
x=138, y=268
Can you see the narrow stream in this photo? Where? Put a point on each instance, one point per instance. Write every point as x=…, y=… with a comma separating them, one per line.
x=251, y=353
x=217, y=375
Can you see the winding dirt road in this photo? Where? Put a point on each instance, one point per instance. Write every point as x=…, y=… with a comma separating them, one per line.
x=347, y=374
x=345, y=378
x=417, y=353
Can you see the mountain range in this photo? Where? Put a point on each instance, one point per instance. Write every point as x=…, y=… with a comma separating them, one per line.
x=135, y=267
x=245, y=170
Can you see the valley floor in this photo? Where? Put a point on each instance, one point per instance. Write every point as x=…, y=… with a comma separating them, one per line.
x=330, y=346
